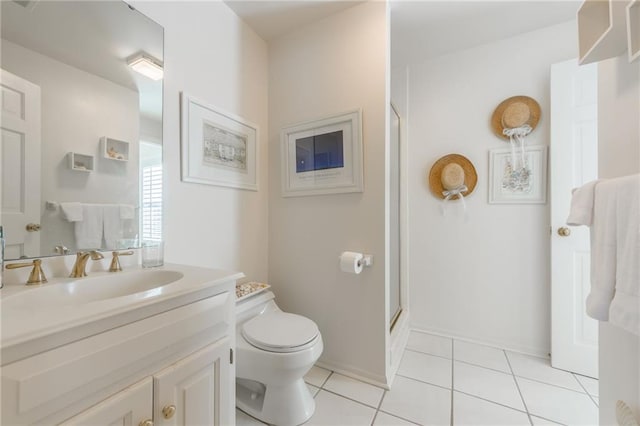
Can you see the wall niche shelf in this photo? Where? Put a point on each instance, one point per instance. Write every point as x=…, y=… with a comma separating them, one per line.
x=80, y=162
x=633, y=29
x=114, y=149
x=601, y=30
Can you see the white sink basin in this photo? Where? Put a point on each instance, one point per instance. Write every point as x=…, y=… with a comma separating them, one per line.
x=142, y=283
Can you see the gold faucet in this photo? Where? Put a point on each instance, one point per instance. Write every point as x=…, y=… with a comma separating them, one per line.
x=79, y=268
x=36, y=276
x=115, y=261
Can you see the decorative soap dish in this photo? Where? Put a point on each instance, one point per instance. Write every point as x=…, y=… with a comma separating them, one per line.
x=245, y=290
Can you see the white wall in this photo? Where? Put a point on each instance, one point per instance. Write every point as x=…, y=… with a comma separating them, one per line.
x=619, y=155
x=211, y=54
x=486, y=279
x=77, y=109
x=332, y=66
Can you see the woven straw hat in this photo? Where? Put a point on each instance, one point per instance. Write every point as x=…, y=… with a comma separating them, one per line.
x=515, y=112
x=450, y=172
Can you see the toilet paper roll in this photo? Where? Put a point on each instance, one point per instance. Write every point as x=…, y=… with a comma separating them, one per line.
x=351, y=262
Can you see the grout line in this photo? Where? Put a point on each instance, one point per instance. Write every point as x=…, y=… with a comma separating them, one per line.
x=551, y=384
x=518, y=387
x=379, y=405
x=422, y=381
x=326, y=380
x=549, y=420
x=400, y=417
x=452, y=363
x=585, y=390
x=482, y=366
x=349, y=398
x=491, y=401
x=427, y=353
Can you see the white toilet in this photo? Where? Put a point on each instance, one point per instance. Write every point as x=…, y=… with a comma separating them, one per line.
x=274, y=350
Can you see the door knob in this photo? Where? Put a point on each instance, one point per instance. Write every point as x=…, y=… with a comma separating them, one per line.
x=146, y=423
x=564, y=231
x=33, y=227
x=168, y=411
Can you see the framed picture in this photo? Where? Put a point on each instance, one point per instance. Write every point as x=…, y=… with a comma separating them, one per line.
x=218, y=148
x=526, y=183
x=323, y=156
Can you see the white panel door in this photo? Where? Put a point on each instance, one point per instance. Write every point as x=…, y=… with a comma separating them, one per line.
x=130, y=407
x=573, y=162
x=20, y=160
x=189, y=393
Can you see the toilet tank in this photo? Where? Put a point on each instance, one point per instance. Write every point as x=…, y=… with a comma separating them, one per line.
x=255, y=305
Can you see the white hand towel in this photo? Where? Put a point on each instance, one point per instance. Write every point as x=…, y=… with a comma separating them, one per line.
x=624, y=311
x=127, y=211
x=581, y=211
x=603, y=251
x=72, y=212
x=88, y=231
x=615, y=254
x=113, y=228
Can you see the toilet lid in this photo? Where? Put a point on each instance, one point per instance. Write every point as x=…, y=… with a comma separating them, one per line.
x=279, y=331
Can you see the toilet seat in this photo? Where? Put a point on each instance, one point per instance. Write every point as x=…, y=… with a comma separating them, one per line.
x=280, y=332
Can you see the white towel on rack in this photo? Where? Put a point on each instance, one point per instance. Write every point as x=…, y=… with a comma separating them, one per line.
x=112, y=226
x=72, y=212
x=127, y=211
x=581, y=212
x=615, y=253
x=88, y=231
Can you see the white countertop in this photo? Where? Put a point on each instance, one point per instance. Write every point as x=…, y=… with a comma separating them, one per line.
x=27, y=330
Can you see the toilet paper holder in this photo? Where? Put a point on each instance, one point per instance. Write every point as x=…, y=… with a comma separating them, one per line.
x=367, y=260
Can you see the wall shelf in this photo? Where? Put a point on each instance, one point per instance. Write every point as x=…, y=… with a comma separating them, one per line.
x=80, y=162
x=633, y=30
x=601, y=30
x=114, y=149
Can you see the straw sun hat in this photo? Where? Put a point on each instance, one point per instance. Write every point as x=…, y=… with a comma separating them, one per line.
x=451, y=172
x=515, y=112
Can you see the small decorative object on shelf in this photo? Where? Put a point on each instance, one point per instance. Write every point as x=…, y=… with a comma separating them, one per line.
x=633, y=29
x=80, y=162
x=114, y=149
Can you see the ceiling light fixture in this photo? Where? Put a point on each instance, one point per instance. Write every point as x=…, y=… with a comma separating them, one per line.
x=146, y=65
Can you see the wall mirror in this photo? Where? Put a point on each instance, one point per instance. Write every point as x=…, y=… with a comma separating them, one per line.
x=81, y=140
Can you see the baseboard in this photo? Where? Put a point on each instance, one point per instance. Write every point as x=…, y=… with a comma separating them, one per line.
x=363, y=376
x=540, y=353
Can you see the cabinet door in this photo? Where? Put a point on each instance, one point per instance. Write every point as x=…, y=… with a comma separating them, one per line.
x=129, y=407
x=196, y=391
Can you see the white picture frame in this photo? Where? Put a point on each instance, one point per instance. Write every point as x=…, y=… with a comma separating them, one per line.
x=217, y=147
x=504, y=190
x=323, y=156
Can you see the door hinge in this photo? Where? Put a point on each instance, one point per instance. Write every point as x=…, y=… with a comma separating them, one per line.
x=230, y=356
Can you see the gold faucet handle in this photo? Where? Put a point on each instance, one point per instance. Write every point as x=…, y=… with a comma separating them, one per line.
x=115, y=261
x=37, y=274
x=96, y=255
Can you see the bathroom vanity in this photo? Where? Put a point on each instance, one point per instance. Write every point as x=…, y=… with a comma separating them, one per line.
x=139, y=347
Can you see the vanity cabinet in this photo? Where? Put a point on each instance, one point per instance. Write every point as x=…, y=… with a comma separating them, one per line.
x=188, y=392
x=129, y=407
x=172, y=368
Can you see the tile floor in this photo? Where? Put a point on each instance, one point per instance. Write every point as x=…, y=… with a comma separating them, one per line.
x=445, y=381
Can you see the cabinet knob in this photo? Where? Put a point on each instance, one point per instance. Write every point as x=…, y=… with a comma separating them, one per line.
x=148, y=422
x=168, y=411
x=564, y=231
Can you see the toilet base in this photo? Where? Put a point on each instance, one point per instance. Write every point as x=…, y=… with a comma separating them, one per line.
x=289, y=405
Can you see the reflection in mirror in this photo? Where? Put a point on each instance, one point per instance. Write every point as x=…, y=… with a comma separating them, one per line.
x=81, y=129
